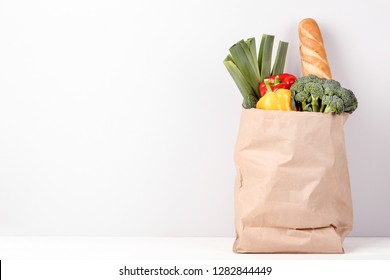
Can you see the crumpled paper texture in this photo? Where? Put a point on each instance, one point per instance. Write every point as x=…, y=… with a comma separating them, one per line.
x=292, y=190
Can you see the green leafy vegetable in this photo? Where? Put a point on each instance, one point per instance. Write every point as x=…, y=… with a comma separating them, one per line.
x=246, y=90
x=248, y=70
x=266, y=56
x=280, y=59
x=245, y=62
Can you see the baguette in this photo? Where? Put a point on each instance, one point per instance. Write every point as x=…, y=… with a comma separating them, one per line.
x=312, y=50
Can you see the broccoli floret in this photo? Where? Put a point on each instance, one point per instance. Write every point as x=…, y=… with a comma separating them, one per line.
x=326, y=99
x=303, y=98
x=308, y=108
x=328, y=91
x=316, y=91
x=349, y=99
x=335, y=105
x=322, y=80
x=311, y=79
x=300, y=83
x=330, y=86
x=297, y=86
x=307, y=90
x=249, y=102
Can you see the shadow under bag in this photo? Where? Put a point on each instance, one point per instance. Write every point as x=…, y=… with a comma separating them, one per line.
x=292, y=190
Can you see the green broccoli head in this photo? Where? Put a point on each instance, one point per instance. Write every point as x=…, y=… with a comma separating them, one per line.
x=311, y=78
x=334, y=105
x=326, y=99
x=303, y=87
x=302, y=97
x=316, y=91
x=297, y=86
x=349, y=99
x=332, y=84
x=300, y=83
x=323, y=95
x=328, y=91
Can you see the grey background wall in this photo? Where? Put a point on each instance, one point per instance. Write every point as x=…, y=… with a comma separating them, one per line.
x=119, y=118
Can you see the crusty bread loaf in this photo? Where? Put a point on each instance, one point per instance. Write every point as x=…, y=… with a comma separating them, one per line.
x=312, y=50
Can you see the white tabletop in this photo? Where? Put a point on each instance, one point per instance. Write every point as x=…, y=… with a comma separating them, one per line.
x=185, y=248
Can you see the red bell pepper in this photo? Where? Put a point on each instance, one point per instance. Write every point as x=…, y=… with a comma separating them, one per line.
x=284, y=80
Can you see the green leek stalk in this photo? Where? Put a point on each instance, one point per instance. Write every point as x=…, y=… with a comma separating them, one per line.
x=265, y=52
x=280, y=59
x=243, y=58
x=250, y=97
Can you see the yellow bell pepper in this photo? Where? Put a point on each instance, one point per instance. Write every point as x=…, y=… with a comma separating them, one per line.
x=279, y=100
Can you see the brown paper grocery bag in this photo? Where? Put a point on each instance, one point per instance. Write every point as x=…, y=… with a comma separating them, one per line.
x=292, y=191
